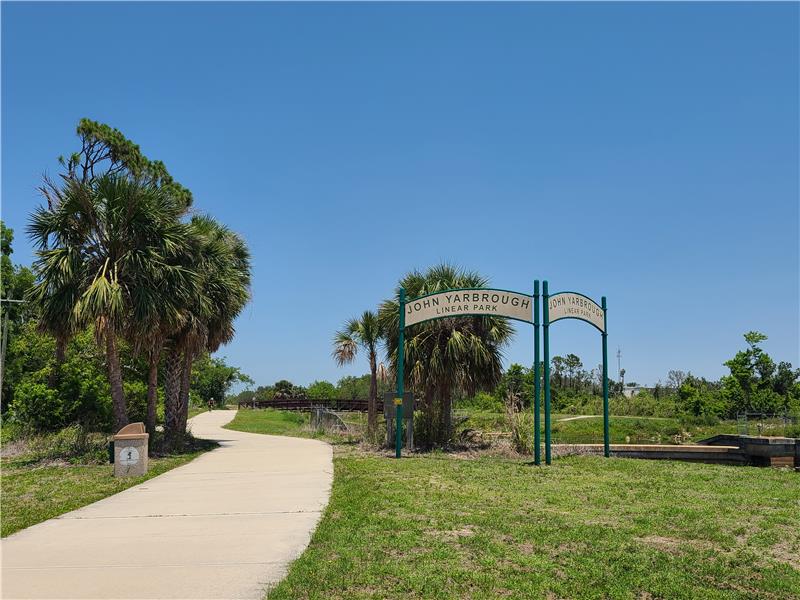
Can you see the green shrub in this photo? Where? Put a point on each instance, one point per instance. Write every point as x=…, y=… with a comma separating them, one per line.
x=37, y=407
x=481, y=401
x=11, y=430
x=136, y=400
x=702, y=420
x=768, y=401
x=520, y=426
x=74, y=444
x=28, y=352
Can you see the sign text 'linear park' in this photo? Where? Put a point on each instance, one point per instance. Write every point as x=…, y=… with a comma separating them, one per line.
x=568, y=305
x=479, y=301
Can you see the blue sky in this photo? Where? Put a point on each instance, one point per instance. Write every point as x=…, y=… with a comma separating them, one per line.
x=646, y=152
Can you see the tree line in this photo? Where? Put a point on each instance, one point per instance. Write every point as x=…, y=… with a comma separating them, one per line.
x=755, y=384
x=122, y=257
x=348, y=387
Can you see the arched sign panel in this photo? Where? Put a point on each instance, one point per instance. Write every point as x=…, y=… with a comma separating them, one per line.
x=477, y=301
x=569, y=305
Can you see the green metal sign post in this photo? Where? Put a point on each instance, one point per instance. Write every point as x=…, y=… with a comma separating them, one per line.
x=546, y=326
x=606, y=434
x=398, y=401
x=571, y=305
x=537, y=381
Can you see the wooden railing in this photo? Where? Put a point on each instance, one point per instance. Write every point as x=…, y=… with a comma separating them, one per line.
x=305, y=404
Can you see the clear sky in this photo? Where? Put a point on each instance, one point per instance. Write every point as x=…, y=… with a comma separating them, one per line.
x=646, y=152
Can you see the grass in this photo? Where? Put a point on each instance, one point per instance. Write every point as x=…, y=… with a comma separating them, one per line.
x=636, y=430
x=34, y=493
x=440, y=526
x=196, y=410
x=590, y=429
x=574, y=431
x=296, y=424
x=273, y=422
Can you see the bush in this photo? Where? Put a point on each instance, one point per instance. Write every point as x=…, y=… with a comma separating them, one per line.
x=37, y=407
x=136, y=399
x=702, y=420
x=74, y=444
x=521, y=430
x=81, y=395
x=28, y=352
x=768, y=401
x=11, y=430
x=481, y=401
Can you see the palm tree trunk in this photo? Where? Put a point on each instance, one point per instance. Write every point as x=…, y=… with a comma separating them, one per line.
x=115, y=380
x=447, y=414
x=172, y=391
x=61, y=354
x=372, y=405
x=152, y=392
x=183, y=403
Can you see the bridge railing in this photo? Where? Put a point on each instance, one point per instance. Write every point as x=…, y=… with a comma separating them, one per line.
x=305, y=404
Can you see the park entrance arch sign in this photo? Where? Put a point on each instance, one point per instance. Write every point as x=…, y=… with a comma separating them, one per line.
x=479, y=301
x=511, y=305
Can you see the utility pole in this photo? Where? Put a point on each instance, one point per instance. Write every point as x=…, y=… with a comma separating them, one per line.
x=619, y=363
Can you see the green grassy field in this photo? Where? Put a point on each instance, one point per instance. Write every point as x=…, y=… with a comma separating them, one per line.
x=441, y=526
x=635, y=430
x=279, y=422
x=34, y=493
x=273, y=422
x=590, y=429
x=572, y=431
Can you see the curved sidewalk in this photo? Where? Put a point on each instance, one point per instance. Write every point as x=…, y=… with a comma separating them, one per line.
x=225, y=525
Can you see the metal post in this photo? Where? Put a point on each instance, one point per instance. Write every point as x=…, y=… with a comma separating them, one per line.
x=537, y=383
x=3, y=344
x=606, y=435
x=398, y=442
x=546, y=326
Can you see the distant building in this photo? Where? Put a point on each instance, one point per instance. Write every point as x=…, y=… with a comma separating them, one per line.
x=630, y=392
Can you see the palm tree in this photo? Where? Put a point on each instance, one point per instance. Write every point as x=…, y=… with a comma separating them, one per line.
x=57, y=294
x=221, y=261
x=367, y=333
x=446, y=357
x=103, y=243
x=158, y=311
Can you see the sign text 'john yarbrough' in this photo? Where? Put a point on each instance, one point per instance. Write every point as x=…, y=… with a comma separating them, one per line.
x=568, y=305
x=479, y=301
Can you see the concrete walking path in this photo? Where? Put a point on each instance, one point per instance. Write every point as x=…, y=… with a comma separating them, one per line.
x=225, y=525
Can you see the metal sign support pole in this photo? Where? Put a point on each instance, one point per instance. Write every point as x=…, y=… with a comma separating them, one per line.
x=606, y=435
x=546, y=326
x=537, y=381
x=398, y=442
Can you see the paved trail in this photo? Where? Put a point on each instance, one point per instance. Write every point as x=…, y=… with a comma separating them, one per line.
x=224, y=526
